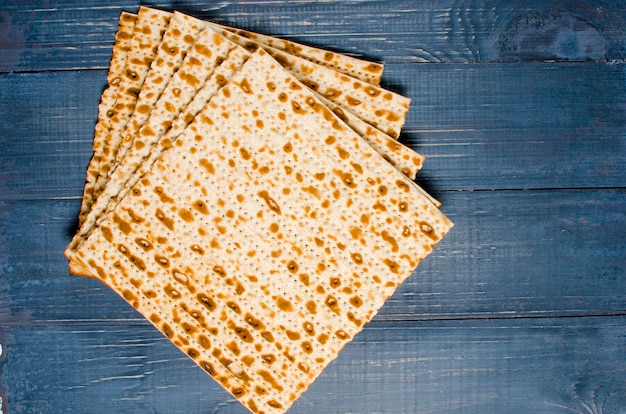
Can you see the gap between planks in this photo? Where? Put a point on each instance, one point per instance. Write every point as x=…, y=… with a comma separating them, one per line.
x=436, y=193
x=387, y=64
x=379, y=320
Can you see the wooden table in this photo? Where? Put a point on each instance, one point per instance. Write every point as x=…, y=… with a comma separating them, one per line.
x=520, y=109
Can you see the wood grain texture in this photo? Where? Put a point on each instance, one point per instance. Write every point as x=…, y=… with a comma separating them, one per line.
x=56, y=35
x=521, y=113
x=536, y=365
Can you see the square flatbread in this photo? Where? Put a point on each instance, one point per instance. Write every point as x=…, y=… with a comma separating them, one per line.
x=264, y=240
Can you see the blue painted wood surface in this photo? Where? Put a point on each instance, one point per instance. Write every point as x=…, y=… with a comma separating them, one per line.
x=520, y=108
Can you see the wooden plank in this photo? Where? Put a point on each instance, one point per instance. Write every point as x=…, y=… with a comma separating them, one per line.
x=561, y=365
x=69, y=35
x=46, y=132
x=511, y=254
x=497, y=126
x=503, y=126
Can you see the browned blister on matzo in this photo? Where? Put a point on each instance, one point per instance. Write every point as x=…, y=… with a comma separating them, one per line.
x=105, y=109
x=265, y=238
x=367, y=71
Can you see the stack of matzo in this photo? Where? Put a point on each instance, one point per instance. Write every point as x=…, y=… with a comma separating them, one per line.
x=248, y=197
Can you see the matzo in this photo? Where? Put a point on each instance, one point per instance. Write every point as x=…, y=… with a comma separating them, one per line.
x=397, y=154
x=182, y=32
x=105, y=109
x=358, y=68
x=265, y=239
x=381, y=108
x=118, y=142
x=147, y=34
x=200, y=76
x=145, y=151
